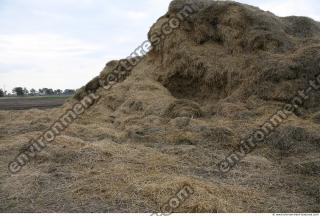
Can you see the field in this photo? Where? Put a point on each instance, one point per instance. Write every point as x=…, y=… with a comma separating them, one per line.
x=24, y=103
x=228, y=105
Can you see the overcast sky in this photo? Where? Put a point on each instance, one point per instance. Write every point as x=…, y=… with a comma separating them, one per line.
x=64, y=43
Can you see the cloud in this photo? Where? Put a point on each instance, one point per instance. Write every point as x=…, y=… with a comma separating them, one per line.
x=136, y=15
x=47, y=60
x=48, y=45
x=309, y=8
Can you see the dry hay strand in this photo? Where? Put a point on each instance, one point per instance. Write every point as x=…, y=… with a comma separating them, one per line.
x=316, y=118
x=184, y=108
x=207, y=197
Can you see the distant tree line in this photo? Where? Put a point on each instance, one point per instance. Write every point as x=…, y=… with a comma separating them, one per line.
x=2, y=93
x=22, y=91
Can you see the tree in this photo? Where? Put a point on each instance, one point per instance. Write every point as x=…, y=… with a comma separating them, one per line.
x=69, y=92
x=33, y=92
x=49, y=91
x=2, y=93
x=18, y=90
x=25, y=91
x=58, y=92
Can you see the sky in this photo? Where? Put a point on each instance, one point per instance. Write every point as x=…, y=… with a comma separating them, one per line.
x=65, y=43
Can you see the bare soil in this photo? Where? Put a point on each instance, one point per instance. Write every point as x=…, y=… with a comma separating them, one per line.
x=186, y=107
x=24, y=103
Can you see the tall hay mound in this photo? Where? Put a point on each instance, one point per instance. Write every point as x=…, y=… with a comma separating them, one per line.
x=215, y=79
x=231, y=51
x=181, y=111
